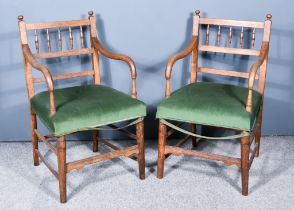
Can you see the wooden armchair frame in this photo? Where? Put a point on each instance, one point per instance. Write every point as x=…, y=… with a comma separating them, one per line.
x=194, y=48
x=30, y=61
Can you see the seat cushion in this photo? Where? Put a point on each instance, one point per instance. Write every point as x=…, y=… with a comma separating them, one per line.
x=212, y=104
x=83, y=107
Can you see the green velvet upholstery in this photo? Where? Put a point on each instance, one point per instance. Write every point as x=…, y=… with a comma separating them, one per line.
x=83, y=107
x=211, y=104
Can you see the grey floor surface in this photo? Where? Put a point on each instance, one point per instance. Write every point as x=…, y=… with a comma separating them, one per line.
x=189, y=183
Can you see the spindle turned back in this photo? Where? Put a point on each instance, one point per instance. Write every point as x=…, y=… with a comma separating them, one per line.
x=227, y=47
x=59, y=30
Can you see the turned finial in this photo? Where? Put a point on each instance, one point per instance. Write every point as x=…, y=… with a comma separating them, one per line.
x=269, y=17
x=20, y=18
x=197, y=12
x=90, y=13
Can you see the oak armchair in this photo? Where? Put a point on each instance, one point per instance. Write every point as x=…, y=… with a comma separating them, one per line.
x=68, y=110
x=218, y=105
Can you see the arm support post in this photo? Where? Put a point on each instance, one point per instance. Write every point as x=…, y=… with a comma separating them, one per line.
x=48, y=77
x=253, y=71
x=192, y=46
x=97, y=46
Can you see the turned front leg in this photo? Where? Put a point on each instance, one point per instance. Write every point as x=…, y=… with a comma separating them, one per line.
x=140, y=142
x=245, y=164
x=61, y=156
x=161, y=149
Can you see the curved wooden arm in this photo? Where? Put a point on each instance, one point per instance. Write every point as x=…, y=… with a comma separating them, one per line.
x=98, y=46
x=48, y=77
x=192, y=45
x=252, y=74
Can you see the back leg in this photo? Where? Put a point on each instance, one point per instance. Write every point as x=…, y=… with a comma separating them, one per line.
x=34, y=139
x=95, y=141
x=258, y=133
x=194, y=142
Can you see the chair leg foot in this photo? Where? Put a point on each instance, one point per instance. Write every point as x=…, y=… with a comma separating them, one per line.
x=61, y=156
x=34, y=140
x=245, y=164
x=36, y=156
x=95, y=141
x=141, y=155
x=161, y=148
x=36, y=163
x=194, y=142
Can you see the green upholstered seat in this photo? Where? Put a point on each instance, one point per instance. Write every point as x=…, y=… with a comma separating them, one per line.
x=83, y=107
x=211, y=104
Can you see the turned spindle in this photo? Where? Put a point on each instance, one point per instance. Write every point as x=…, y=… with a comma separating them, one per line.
x=230, y=37
x=37, y=41
x=82, y=37
x=207, y=35
x=253, y=38
x=59, y=39
x=48, y=40
x=218, y=35
x=70, y=38
x=241, y=37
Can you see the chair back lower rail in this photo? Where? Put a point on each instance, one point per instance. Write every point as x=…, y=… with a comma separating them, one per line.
x=223, y=72
x=65, y=76
x=64, y=53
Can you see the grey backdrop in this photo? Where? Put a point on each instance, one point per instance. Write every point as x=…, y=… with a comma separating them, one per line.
x=149, y=31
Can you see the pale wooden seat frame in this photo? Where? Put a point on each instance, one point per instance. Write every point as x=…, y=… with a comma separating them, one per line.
x=244, y=162
x=135, y=152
